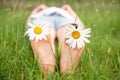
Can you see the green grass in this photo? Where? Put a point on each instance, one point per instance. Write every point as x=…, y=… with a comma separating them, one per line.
x=99, y=61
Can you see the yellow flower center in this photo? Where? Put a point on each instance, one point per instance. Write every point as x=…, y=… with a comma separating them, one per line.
x=75, y=34
x=38, y=30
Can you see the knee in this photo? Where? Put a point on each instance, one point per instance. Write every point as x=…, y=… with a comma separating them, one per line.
x=43, y=5
x=67, y=7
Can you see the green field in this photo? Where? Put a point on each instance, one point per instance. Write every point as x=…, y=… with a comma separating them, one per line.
x=99, y=61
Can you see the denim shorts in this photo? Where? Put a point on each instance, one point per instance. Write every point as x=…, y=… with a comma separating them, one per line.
x=55, y=17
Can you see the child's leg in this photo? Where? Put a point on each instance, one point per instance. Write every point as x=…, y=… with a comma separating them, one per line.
x=37, y=9
x=69, y=56
x=43, y=50
x=70, y=11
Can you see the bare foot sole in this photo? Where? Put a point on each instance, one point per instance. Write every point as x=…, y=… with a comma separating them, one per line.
x=44, y=49
x=69, y=56
x=44, y=53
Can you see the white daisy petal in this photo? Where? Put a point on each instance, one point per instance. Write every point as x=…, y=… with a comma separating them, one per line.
x=31, y=37
x=36, y=22
x=82, y=43
x=78, y=43
x=30, y=24
x=73, y=44
x=86, y=31
x=68, y=36
x=85, y=40
x=27, y=32
x=69, y=41
x=36, y=39
x=79, y=28
x=39, y=37
x=86, y=35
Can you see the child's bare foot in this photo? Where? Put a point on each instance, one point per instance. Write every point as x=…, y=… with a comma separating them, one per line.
x=69, y=56
x=44, y=53
x=44, y=49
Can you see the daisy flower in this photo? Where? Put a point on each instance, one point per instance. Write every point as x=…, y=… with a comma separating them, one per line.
x=37, y=31
x=77, y=36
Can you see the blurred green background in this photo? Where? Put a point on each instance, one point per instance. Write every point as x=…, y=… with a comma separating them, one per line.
x=100, y=59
